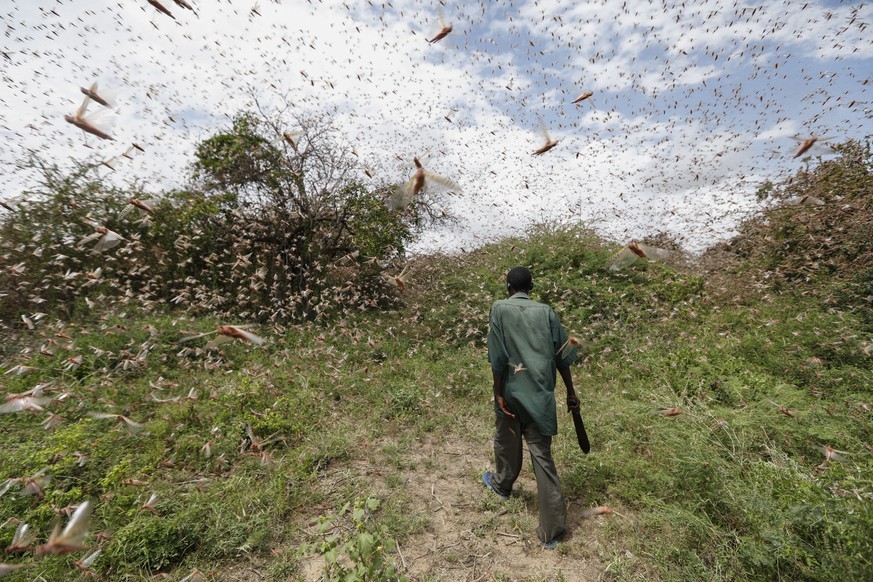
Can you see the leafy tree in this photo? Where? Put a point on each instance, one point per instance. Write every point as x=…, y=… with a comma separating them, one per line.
x=306, y=225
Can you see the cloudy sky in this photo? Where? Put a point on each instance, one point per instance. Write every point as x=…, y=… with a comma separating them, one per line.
x=694, y=104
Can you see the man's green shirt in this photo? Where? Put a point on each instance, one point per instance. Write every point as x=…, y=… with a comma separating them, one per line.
x=524, y=339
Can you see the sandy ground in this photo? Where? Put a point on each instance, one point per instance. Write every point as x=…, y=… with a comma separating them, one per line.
x=472, y=534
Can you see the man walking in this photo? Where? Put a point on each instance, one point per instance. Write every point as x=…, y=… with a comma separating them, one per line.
x=526, y=346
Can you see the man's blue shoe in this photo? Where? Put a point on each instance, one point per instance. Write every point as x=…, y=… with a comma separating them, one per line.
x=487, y=477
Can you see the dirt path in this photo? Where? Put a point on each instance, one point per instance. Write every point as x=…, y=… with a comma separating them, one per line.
x=473, y=535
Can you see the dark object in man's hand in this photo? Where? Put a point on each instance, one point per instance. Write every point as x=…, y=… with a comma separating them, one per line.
x=581, y=435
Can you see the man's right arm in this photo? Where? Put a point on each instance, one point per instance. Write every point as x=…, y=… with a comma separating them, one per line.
x=497, y=378
x=498, y=358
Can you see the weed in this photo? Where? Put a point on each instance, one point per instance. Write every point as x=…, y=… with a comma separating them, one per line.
x=353, y=546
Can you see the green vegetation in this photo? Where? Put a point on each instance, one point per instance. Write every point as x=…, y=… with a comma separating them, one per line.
x=270, y=227
x=302, y=449
x=366, y=548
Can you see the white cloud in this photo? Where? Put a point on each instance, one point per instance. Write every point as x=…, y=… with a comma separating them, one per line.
x=672, y=139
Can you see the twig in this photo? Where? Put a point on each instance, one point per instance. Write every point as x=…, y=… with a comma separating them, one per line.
x=192, y=481
x=624, y=516
x=435, y=497
x=508, y=535
x=402, y=559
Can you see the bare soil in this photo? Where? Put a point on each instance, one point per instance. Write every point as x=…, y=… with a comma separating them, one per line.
x=462, y=531
x=471, y=534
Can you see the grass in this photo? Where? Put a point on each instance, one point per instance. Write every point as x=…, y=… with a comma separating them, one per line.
x=731, y=489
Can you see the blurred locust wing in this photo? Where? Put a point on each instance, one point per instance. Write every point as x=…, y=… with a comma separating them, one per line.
x=654, y=253
x=633, y=251
x=22, y=540
x=131, y=426
x=292, y=137
x=80, y=112
x=436, y=182
x=400, y=280
x=191, y=338
x=109, y=240
x=135, y=203
x=149, y=505
x=805, y=200
x=89, y=239
x=233, y=331
x=88, y=561
x=806, y=144
x=550, y=143
x=400, y=198
x=36, y=484
x=568, y=347
x=9, y=568
x=71, y=538
x=195, y=576
x=217, y=341
x=103, y=415
x=19, y=370
x=104, y=97
x=98, y=123
x=600, y=510
x=622, y=259
x=23, y=403
x=832, y=454
x=103, y=120
x=444, y=30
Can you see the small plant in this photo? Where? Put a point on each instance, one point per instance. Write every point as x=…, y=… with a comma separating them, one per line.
x=354, y=546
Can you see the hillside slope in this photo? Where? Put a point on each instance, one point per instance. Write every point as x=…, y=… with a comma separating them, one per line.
x=358, y=445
